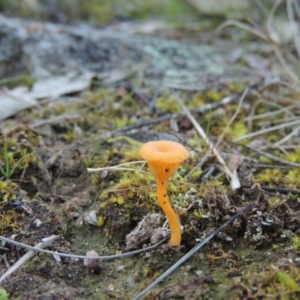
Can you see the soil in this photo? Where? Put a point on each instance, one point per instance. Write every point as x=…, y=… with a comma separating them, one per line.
x=46, y=189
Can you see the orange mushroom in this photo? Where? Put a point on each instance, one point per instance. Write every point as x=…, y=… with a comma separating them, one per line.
x=164, y=159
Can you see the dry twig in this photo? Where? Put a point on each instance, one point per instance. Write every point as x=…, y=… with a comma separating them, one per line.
x=118, y=167
x=46, y=242
x=275, y=158
x=107, y=257
x=277, y=49
x=234, y=181
x=266, y=130
x=232, y=119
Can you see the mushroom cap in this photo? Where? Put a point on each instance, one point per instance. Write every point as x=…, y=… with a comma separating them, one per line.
x=164, y=151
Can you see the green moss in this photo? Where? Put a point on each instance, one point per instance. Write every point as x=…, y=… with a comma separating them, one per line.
x=275, y=202
x=3, y=294
x=269, y=176
x=237, y=129
x=168, y=104
x=9, y=221
x=100, y=221
x=195, y=175
x=287, y=281
x=15, y=159
x=200, y=214
x=59, y=109
x=294, y=156
x=214, y=95
x=70, y=136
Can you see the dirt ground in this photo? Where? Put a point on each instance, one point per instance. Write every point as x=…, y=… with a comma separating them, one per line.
x=249, y=108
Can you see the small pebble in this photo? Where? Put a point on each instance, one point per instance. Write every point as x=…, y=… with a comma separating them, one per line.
x=90, y=217
x=236, y=280
x=38, y=223
x=120, y=268
x=130, y=281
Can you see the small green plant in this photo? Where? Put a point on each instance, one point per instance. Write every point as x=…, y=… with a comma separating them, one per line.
x=8, y=164
x=3, y=294
x=8, y=157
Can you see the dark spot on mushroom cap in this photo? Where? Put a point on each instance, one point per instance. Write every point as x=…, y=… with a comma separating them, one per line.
x=166, y=170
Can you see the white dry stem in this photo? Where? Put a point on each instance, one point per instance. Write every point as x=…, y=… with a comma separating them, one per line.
x=234, y=181
x=290, y=13
x=268, y=115
x=270, y=102
x=289, y=136
x=46, y=242
x=106, y=257
x=289, y=85
x=233, y=118
x=266, y=130
x=117, y=167
x=267, y=38
x=297, y=7
x=262, y=7
x=242, y=26
x=270, y=19
x=279, y=97
x=275, y=158
x=38, y=123
x=284, y=64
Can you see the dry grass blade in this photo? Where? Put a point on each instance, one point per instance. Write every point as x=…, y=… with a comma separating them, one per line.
x=191, y=252
x=284, y=64
x=107, y=257
x=27, y=256
x=278, y=50
x=266, y=130
x=275, y=158
x=232, y=119
x=234, y=182
x=242, y=26
x=205, y=108
x=296, y=131
x=290, y=13
x=268, y=114
x=271, y=15
x=118, y=167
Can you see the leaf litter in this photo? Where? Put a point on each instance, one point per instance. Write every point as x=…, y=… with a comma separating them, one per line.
x=46, y=189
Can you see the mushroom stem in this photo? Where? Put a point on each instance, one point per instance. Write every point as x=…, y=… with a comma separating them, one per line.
x=163, y=199
x=164, y=159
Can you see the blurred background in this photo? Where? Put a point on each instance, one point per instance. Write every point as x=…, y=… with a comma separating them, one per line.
x=102, y=12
